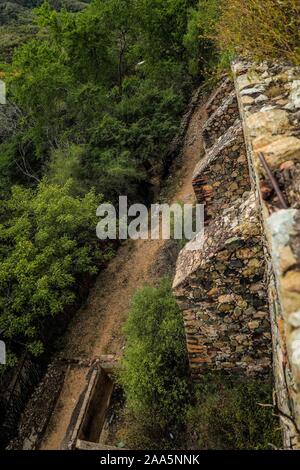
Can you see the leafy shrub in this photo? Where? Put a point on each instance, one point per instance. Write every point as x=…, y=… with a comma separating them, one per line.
x=65, y=165
x=268, y=29
x=47, y=240
x=228, y=414
x=154, y=372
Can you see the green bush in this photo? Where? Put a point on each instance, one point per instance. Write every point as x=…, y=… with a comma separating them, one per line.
x=48, y=240
x=268, y=29
x=218, y=30
x=154, y=368
x=228, y=413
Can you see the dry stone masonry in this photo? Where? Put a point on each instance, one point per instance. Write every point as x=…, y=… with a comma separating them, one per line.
x=221, y=120
x=240, y=294
x=269, y=101
x=222, y=175
x=220, y=290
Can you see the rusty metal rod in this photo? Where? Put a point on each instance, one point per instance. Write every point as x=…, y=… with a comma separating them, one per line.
x=273, y=180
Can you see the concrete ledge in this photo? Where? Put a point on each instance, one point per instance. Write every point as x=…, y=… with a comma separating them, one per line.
x=89, y=414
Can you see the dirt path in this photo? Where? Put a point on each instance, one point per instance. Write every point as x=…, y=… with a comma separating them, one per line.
x=97, y=327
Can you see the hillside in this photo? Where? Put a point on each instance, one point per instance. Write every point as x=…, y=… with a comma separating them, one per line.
x=109, y=335
x=19, y=11
x=17, y=21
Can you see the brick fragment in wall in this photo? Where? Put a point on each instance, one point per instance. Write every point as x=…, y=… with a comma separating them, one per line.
x=269, y=103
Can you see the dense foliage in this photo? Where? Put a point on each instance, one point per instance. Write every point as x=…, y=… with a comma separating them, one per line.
x=47, y=239
x=94, y=99
x=259, y=30
x=154, y=369
x=16, y=21
x=82, y=85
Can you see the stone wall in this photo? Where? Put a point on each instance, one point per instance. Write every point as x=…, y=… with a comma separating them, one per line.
x=221, y=292
x=269, y=101
x=221, y=120
x=240, y=294
x=222, y=176
x=221, y=287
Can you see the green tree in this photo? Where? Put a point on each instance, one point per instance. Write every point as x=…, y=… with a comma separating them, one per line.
x=41, y=87
x=47, y=240
x=154, y=374
x=163, y=25
x=199, y=40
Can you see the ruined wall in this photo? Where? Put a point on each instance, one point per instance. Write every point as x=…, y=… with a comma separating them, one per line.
x=220, y=288
x=240, y=294
x=221, y=292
